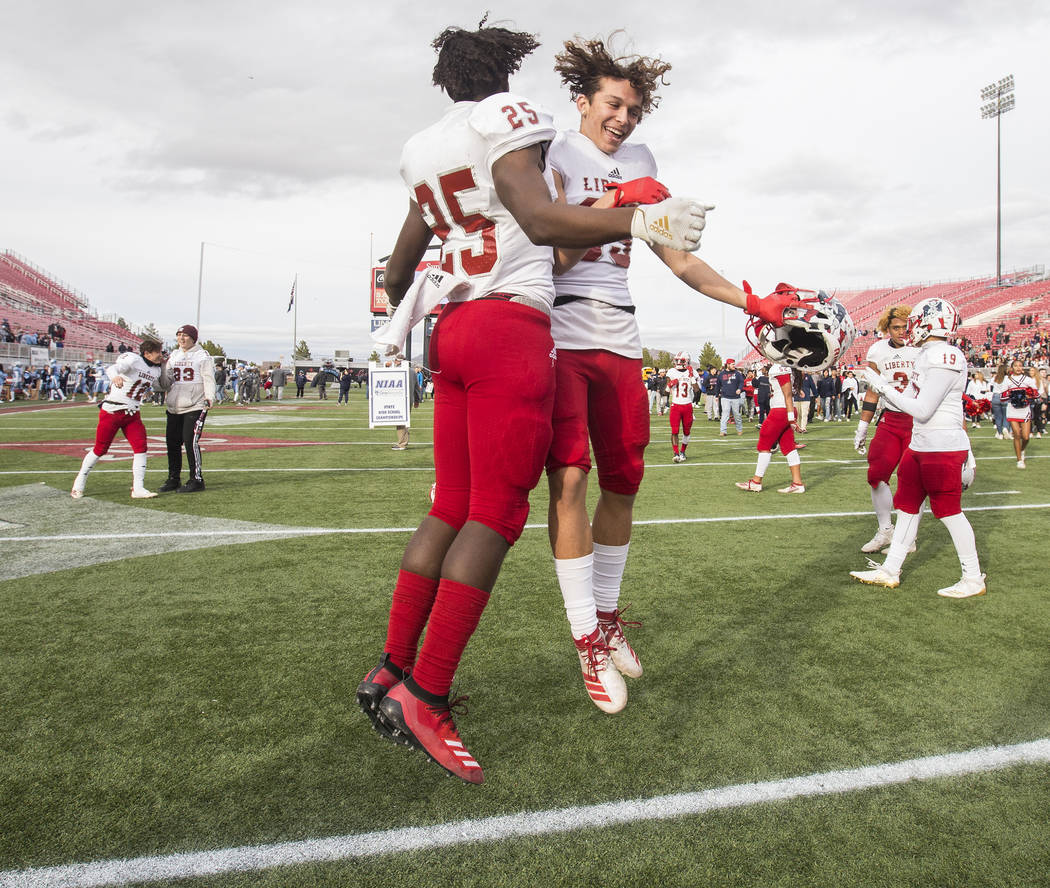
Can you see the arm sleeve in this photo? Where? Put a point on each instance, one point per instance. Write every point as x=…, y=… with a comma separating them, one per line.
x=208, y=371
x=935, y=386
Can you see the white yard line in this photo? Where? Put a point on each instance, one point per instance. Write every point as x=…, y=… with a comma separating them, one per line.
x=321, y=531
x=252, y=858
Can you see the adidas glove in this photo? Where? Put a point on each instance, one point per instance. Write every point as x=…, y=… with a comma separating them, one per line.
x=859, y=438
x=675, y=223
x=645, y=190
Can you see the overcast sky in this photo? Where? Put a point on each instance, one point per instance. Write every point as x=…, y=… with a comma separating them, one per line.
x=841, y=142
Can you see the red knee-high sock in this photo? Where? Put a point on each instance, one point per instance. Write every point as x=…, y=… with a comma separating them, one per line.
x=453, y=619
x=413, y=598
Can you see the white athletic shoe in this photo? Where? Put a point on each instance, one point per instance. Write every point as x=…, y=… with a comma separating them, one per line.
x=142, y=493
x=749, y=485
x=1020, y=464
x=878, y=542
x=793, y=488
x=76, y=493
x=623, y=655
x=604, y=684
x=967, y=587
x=879, y=576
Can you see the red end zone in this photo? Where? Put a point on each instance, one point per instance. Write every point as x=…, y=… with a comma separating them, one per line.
x=155, y=446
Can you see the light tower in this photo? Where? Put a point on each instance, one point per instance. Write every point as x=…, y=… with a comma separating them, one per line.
x=999, y=98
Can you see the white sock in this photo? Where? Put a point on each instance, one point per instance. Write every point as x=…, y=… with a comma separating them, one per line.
x=965, y=544
x=764, y=460
x=576, y=579
x=138, y=471
x=685, y=441
x=85, y=467
x=903, y=536
x=609, y=564
x=882, y=500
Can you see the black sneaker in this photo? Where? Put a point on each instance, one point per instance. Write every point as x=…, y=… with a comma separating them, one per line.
x=191, y=486
x=170, y=485
x=373, y=688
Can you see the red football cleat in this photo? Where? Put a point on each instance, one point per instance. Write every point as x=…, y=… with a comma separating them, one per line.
x=373, y=689
x=428, y=726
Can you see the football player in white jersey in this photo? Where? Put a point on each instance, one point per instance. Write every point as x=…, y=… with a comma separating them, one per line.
x=778, y=428
x=938, y=461
x=476, y=180
x=892, y=358
x=598, y=401
x=133, y=377
x=189, y=380
x=1019, y=391
x=682, y=385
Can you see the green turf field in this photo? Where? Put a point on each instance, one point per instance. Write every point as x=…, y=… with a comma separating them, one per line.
x=177, y=675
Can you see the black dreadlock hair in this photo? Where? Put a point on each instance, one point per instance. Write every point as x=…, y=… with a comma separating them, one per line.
x=476, y=64
x=583, y=64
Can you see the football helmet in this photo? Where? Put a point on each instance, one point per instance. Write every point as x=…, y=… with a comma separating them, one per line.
x=681, y=360
x=815, y=333
x=932, y=317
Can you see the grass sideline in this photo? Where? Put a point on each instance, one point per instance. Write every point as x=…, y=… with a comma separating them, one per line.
x=203, y=699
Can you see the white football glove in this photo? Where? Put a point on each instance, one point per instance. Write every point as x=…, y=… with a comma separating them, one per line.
x=859, y=438
x=875, y=381
x=969, y=470
x=675, y=223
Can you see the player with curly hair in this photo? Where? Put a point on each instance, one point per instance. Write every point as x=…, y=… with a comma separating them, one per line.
x=598, y=401
x=476, y=180
x=893, y=359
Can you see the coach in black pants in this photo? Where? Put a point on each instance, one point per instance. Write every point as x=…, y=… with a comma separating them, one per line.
x=189, y=380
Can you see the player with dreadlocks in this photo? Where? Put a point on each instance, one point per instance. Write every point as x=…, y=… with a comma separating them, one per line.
x=477, y=180
x=600, y=353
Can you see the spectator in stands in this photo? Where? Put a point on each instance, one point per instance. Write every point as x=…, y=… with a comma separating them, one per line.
x=5, y=332
x=30, y=339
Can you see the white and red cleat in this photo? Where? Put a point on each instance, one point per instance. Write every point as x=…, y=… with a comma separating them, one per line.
x=793, y=488
x=750, y=485
x=623, y=655
x=427, y=725
x=603, y=681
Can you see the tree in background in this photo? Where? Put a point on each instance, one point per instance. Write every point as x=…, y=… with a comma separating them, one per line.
x=662, y=359
x=709, y=357
x=212, y=349
x=374, y=356
x=151, y=331
x=122, y=324
x=301, y=352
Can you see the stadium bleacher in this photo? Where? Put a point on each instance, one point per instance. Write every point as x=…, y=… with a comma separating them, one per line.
x=979, y=301
x=31, y=299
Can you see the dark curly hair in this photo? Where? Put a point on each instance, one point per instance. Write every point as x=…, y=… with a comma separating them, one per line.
x=476, y=64
x=583, y=64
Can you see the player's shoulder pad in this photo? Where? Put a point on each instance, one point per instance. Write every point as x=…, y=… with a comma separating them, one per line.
x=510, y=121
x=875, y=350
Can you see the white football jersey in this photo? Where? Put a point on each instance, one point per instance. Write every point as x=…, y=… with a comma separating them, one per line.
x=777, y=374
x=601, y=275
x=894, y=364
x=944, y=430
x=448, y=170
x=139, y=378
x=680, y=385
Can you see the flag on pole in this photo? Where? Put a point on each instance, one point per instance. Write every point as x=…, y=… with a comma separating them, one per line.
x=291, y=301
